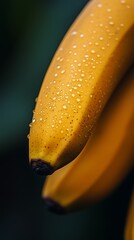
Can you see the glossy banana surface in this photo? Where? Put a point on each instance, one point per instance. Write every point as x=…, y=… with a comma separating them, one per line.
x=105, y=160
x=92, y=58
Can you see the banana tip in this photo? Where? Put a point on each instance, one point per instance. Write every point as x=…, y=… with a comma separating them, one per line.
x=41, y=167
x=53, y=206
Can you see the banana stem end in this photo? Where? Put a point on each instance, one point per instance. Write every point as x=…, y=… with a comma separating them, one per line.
x=41, y=167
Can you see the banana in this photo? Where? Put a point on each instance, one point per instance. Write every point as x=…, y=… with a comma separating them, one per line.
x=129, y=230
x=104, y=161
x=90, y=61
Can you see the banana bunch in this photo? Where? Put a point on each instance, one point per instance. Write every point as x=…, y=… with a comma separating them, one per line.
x=82, y=127
x=92, y=58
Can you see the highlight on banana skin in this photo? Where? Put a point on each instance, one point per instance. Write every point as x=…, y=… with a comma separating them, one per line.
x=82, y=131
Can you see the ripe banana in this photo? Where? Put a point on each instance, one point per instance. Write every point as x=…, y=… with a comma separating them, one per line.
x=104, y=161
x=129, y=231
x=91, y=60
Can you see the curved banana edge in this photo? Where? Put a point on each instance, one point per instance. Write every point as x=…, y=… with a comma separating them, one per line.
x=129, y=230
x=91, y=60
x=105, y=160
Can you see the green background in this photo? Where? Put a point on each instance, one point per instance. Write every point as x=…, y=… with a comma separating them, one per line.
x=30, y=31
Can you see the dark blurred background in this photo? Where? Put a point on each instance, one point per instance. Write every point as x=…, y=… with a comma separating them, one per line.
x=30, y=31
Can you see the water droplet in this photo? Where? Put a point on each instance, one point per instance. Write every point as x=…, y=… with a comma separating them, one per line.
x=41, y=118
x=33, y=120
x=101, y=38
x=108, y=10
x=73, y=95
x=111, y=23
x=62, y=71
x=52, y=125
x=74, y=33
x=99, y=5
x=108, y=30
x=101, y=24
x=86, y=55
x=81, y=35
x=55, y=74
x=60, y=121
x=30, y=125
x=123, y=1
x=96, y=43
x=58, y=58
x=58, y=67
x=92, y=51
x=74, y=46
x=91, y=14
x=98, y=55
x=122, y=25
x=84, y=45
x=28, y=136
x=82, y=75
x=64, y=107
x=93, y=67
x=78, y=99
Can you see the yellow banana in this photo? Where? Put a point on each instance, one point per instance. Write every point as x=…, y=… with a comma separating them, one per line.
x=92, y=58
x=129, y=231
x=104, y=161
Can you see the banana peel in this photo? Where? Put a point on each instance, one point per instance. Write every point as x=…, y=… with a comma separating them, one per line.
x=76, y=118
x=105, y=160
x=129, y=230
x=89, y=63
